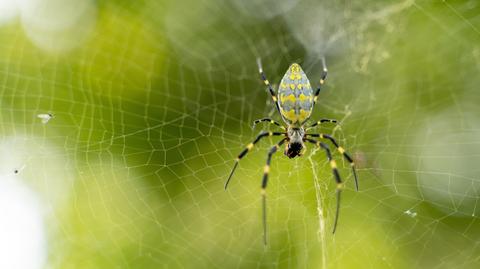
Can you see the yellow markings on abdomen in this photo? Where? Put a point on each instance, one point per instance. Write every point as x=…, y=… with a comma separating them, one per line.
x=250, y=146
x=295, y=68
x=303, y=115
x=294, y=117
x=291, y=97
x=289, y=115
x=295, y=76
x=295, y=95
x=304, y=97
x=284, y=98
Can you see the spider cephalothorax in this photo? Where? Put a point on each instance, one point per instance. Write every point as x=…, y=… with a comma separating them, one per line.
x=295, y=144
x=294, y=101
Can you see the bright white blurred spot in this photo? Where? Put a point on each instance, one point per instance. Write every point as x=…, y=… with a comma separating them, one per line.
x=45, y=117
x=22, y=234
x=8, y=10
x=448, y=162
x=58, y=25
x=40, y=164
x=29, y=198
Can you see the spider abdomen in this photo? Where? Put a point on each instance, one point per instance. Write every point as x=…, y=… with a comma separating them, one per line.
x=295, y=96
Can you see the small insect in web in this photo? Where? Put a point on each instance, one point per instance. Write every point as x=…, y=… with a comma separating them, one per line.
x=294, y=101
x=45, y=117
x=410, y=213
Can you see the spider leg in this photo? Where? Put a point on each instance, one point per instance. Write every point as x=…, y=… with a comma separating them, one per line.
x=267, y=83
x=247, y=149
x=269, y=120
x=333, y=165
x=322, y=80
x=342, y=151
x=266, y=171
x=320, y=122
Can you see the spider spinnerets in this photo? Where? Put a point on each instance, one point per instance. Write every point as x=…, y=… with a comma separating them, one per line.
x=294, y=102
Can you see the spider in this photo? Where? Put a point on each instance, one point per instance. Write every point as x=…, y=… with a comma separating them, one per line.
x=295, y=101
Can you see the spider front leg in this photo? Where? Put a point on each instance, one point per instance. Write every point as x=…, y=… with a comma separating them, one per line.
x=266, y=171
x=320, y=122
x=322, y=80
x=336, y=175
x=247, y=149
x=267, y=83
x=342, y=151
x=269, y=121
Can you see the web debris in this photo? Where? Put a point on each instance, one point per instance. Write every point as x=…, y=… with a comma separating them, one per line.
x=45, y=117
x=410, y=213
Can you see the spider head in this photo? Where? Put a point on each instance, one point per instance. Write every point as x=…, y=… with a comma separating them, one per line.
x=295, y=146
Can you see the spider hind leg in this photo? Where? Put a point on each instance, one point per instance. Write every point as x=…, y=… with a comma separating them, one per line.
x=266, y=172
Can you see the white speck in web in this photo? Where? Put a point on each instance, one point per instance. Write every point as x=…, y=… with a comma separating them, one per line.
x=410, y=213
x=45, y=117
x=18, y=170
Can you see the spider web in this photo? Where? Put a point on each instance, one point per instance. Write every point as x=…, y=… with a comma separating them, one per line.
x=153, y=101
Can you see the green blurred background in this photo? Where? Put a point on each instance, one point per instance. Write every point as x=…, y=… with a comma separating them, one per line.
x=153, y=100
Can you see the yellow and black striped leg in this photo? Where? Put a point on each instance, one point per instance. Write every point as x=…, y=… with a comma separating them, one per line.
x=342, y=151
x=266, y=171
x=320, y=122
x=267, y=83
x=267, y=120
x=322, y=80
x=247, y=149
x=336, y=175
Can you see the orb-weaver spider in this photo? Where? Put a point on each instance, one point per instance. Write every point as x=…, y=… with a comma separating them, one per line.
x=295, y=103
